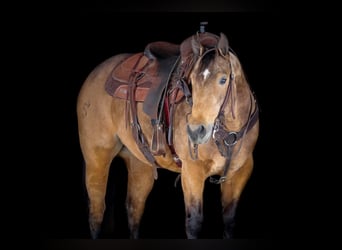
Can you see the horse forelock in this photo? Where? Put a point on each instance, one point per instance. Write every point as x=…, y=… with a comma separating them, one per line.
x=206, y=60
x=207, y=63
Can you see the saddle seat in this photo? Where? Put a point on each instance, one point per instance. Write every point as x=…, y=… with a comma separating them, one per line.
x=160, y=50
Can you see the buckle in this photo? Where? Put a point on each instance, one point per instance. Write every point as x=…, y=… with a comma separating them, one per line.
x=232, y=140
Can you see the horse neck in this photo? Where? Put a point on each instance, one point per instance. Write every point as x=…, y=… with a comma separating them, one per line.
x=239, y=104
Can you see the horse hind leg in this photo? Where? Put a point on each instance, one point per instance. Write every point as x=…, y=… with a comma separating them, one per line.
x=97, y=164
x=231, y=191
x=139, y=186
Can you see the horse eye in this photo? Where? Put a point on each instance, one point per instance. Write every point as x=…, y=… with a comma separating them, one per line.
x=223, y=80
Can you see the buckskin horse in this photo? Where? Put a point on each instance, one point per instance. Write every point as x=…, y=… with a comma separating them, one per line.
x=183, y=107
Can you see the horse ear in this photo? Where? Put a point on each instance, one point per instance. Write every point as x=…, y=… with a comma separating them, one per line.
x=196, y=46
x=223, y=45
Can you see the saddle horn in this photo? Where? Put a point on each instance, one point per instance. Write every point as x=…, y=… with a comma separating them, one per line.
x=202, y=26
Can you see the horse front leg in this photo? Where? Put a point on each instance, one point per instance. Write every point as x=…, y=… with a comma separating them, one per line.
x=231, y=191
x=140, y=184
x=193, y=180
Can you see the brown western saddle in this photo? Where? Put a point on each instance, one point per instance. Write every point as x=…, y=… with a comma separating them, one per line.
x=158, y=77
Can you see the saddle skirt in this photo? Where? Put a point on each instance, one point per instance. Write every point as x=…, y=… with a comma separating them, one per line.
x=147, y=78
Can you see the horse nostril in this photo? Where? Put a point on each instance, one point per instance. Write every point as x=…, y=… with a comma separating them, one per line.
x=201, y=130
x=196, y=131
x=198, y=134
x=190, y=130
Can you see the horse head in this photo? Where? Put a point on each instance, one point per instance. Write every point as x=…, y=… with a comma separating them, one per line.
x=210, y=81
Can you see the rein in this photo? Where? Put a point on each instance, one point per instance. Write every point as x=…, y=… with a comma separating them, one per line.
x=226, y=140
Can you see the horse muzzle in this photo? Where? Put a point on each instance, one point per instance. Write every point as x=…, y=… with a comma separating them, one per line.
x=199, y=134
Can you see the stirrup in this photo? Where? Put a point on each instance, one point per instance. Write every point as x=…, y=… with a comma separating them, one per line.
x=158, y=139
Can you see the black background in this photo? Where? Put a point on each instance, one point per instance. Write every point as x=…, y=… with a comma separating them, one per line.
x=78, y=39
x=289, y=51
x=290, y=55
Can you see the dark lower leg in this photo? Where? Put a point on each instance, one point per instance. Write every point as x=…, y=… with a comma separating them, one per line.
x=95, y=226
x=96, y=212
x=194, y=218
x=133, y=222
x=229, y=219
x=96, y=182
x=140, y=183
